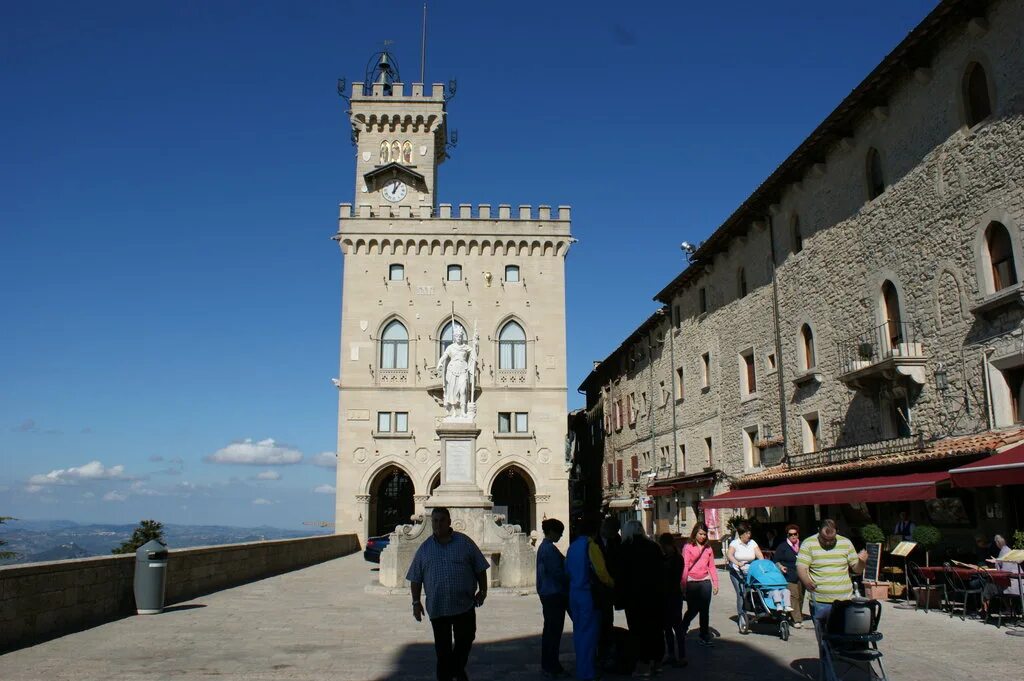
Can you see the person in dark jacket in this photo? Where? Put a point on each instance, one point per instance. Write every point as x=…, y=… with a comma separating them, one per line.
x=610, y=543
x=785, y=558
x=672, y=625
x=553, y=589
x=640, y=569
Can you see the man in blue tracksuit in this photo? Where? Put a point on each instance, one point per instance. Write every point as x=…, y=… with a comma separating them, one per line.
x=584, y=563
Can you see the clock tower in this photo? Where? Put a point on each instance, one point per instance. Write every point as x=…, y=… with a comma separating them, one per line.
x=400, y=139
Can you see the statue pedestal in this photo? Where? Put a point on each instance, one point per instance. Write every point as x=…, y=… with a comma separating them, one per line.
x=508, y=550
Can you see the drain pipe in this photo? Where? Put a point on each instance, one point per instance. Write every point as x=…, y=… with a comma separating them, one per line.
x=778, y=340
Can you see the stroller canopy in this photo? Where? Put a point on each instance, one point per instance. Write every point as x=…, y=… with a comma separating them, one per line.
x=764, y=574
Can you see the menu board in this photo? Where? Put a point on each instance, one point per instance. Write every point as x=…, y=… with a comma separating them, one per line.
x=874, y=565
x=904, y=548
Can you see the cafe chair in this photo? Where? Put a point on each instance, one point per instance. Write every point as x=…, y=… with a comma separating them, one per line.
x=922, y=588
x=999, y=604
x=959, y=593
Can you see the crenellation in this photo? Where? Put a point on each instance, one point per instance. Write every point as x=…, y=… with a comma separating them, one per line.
x=417, y=91
x=524, y=212
x=484, y=211
x=445, y=211
x=465, y=210
x=544, y=212
x=504, y=211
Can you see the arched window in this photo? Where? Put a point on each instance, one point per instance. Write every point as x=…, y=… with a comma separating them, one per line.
x=407, y=153
x=394, y=346
x=512, y=273
x=1000, y=254
x=893, y=314
x=396, y=272
x=876, y=180
x=741, y=282
x=977, y=103
x=448, y=336
x=384, y=152
x=797, y=234
x=808, y=360
x=454, y=273
x=512, y=347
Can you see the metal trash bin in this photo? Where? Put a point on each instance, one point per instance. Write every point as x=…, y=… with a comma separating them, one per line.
x=150, y=577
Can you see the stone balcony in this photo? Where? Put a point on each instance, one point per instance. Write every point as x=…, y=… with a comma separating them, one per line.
x=890, y=353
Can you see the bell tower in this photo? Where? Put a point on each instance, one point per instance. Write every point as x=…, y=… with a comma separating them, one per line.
x=400, y=138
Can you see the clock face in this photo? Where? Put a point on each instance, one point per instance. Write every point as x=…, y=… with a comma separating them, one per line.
x=395, y=190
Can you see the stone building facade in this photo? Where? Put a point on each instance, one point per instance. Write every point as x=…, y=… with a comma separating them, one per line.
x=411, y=265
x=864, y=304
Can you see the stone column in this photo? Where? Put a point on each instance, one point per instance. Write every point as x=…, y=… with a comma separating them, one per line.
x=363, y=508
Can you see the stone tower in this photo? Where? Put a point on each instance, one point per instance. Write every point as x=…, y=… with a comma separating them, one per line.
x=413, y=267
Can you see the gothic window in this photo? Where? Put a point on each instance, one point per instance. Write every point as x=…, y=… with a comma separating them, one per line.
x=384, y=146
x=876, y=180
x=407, y=153
x=977, y=103
x=1000, y=253
x=892, y=313
x=394, y=346
x=807, y=358
x=512, y=347
x=797, y=234
x=396, y=152
x=741, y=282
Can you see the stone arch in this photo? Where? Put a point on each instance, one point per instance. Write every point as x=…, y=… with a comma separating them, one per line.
x=423, y=247
x=392, y=499
x=435, y=247
x=949, y=303
x=982, y=260
x=486, y=248
x=473, y=247
x=360, y=246
x=535, y=248
x=513, y=487
x=974, y=59
x=373, y=247
x=448, y=248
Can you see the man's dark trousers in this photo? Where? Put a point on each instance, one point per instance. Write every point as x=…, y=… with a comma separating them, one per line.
x=452, y=659
x=553, y=607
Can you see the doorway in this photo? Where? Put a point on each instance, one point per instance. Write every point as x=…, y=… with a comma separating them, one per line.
x=391, y=501
x=512, y=495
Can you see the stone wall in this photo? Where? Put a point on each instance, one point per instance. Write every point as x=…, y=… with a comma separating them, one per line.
x=39, y=600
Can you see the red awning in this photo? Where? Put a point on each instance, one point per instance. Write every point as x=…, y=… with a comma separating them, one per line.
x=659, y=491
x=1004, y=468
x=912, y=487
x=665, y=487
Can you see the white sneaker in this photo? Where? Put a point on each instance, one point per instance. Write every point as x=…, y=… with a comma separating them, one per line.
x=789, y=609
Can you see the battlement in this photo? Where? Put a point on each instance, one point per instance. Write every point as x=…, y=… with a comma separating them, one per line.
x=418, y=94
x=464, y=211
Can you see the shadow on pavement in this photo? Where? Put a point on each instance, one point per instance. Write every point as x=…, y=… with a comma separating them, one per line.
x=184, y=606
x=519, y=658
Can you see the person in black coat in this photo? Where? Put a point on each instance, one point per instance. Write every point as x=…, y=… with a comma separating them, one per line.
x=672, y=575
x=785, y=556
x=604, y=598
x=641, y=571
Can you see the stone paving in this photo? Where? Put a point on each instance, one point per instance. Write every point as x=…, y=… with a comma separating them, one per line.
x=324, y=623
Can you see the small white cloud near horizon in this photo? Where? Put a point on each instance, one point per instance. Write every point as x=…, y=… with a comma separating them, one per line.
x=324, y=489
x=262, y=453
x=32, y=489
x=261, y=502
x=325, y=460
x=94, y=470
x=114, y=495
x=268, y=475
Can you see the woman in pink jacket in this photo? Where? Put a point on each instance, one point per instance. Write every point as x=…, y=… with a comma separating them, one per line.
x=700, y=580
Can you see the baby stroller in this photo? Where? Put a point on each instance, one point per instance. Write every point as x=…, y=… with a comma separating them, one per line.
x=849, y=639
x=761, y=578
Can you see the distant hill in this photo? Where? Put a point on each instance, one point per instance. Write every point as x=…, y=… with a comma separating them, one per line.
x=39, y=540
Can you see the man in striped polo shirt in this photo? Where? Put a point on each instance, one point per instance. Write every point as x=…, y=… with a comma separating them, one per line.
x=824, y=565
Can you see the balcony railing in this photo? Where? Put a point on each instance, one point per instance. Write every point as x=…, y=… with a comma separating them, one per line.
x=894, y=342
x=881, y=448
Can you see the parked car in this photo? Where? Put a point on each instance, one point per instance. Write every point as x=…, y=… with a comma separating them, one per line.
x=374, y=545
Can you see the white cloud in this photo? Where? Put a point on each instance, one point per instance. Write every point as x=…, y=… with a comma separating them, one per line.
x=139, y=488
x=324, y=489
x=268, y=475
x=115, y=496
x=261, y=502
x=325, y=459
x=89, y=495
x=93, y=470
x=32, y=489
x=262, y=453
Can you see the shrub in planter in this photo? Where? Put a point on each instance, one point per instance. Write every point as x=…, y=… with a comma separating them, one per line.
x=872, y=534
x=928, y=537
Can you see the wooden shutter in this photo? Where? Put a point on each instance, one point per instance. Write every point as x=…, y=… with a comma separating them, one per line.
x=618, y=470
x=634, y=464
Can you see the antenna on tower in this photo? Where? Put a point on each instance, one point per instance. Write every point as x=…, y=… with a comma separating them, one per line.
x=423, y=46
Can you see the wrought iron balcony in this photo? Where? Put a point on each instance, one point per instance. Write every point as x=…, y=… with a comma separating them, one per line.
x=889, y=352
x=869, y=450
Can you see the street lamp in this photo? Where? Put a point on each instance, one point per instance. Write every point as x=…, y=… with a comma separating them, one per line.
x=941, y=378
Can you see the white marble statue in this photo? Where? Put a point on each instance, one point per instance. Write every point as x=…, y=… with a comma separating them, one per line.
x=457, y=367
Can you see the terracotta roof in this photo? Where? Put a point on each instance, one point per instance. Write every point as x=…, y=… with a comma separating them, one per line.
x=987, y=442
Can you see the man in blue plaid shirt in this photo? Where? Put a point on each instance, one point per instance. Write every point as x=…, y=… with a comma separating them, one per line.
x=455, y=574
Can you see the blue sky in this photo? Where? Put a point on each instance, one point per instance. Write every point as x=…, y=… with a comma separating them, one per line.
x=171, y=173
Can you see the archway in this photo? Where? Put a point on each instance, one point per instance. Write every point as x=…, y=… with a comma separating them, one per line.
x=512, y=495
x=391, y=501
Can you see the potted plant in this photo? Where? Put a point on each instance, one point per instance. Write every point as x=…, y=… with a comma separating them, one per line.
x=866, y=350
x=873, y=534
x=927, y=536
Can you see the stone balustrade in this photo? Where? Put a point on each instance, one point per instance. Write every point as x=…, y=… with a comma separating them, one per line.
x=40, y=600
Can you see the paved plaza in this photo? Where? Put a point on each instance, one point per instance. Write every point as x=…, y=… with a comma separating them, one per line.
x=323, y=623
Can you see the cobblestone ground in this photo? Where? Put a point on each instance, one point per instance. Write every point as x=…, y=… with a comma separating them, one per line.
x=323, y=623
